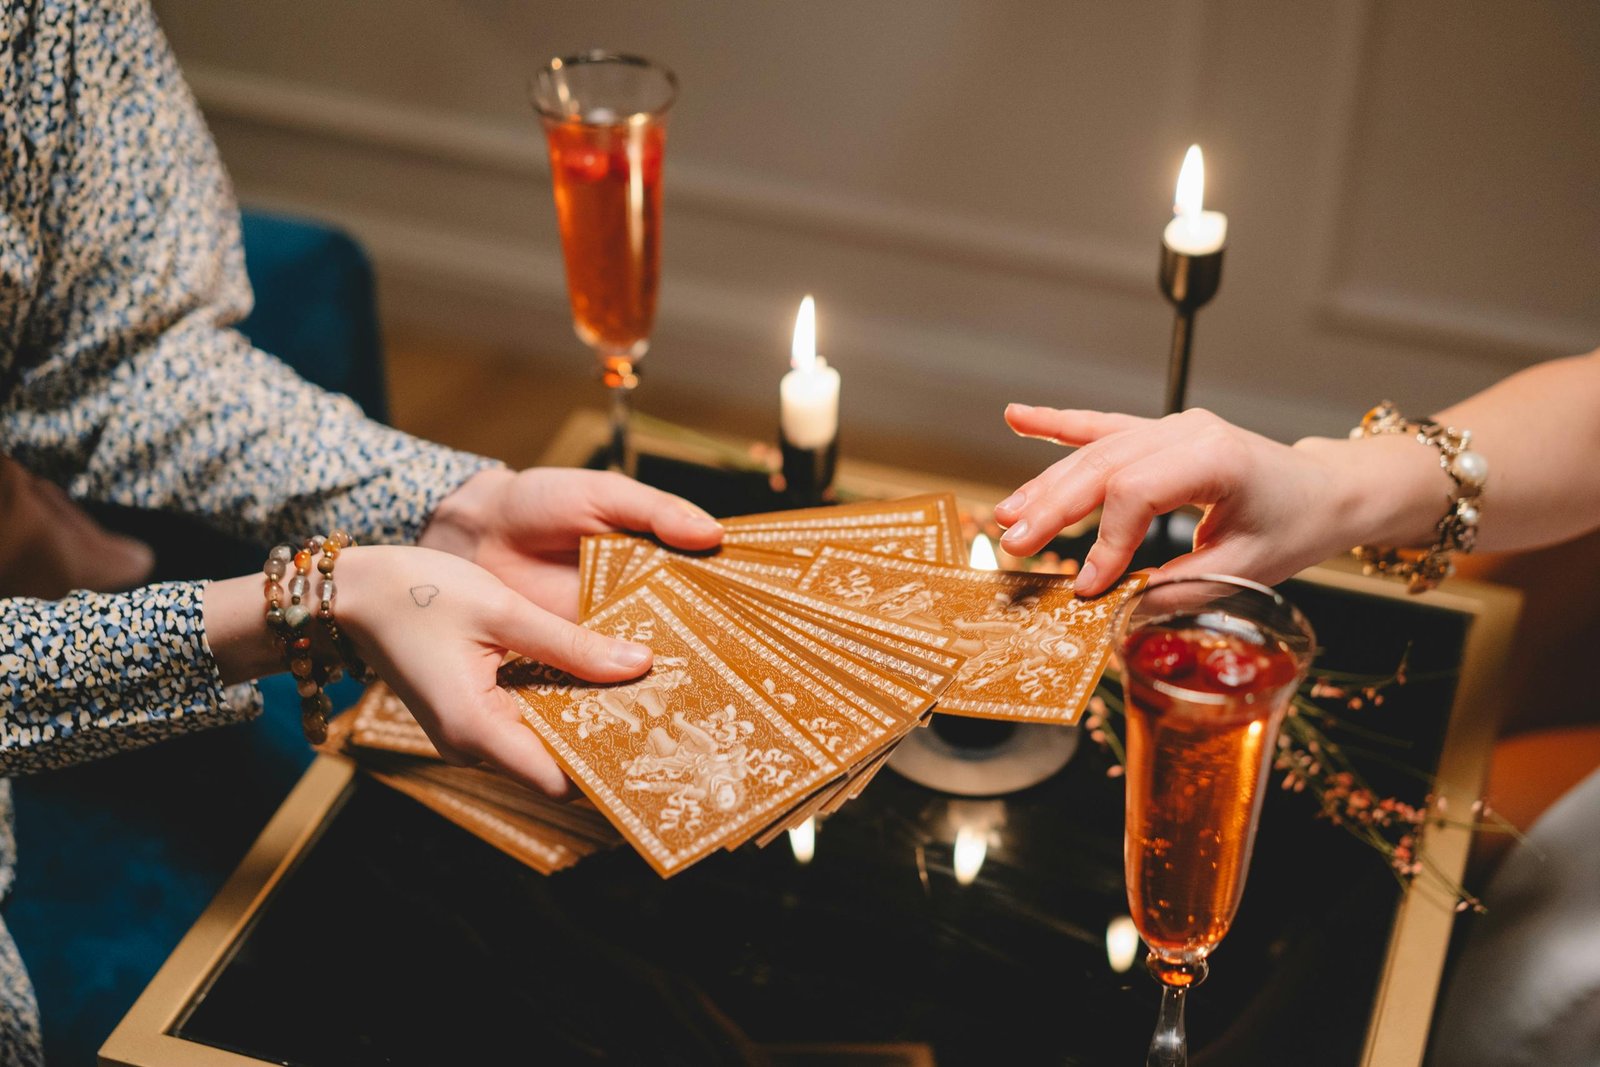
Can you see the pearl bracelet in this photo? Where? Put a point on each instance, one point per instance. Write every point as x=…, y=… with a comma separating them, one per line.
x=1458, y=529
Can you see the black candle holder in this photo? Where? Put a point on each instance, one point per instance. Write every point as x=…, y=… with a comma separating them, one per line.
x=1188, y=282
x=983, y=757
x=808, y=472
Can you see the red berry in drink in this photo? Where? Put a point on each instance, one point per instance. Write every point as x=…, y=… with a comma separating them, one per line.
x=1164, y=654
x=1232, y=668
x=584, y=163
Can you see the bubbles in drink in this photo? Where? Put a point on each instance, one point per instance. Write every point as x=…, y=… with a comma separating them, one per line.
x=607, y=181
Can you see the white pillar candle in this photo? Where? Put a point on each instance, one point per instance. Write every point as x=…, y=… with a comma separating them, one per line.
x=971, y=847
x=803, y=839
x=1194, y=231
x=982, y=557
x=809, y=393
x=1122, y=943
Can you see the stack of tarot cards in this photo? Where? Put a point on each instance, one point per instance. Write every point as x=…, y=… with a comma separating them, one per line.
x=382, y=738
x=791, y=661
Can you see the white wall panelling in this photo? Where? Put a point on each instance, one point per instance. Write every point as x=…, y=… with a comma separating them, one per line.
x=974, y=194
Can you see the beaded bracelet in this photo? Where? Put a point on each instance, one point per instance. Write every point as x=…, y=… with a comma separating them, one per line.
x=292, y=625
x=1422, y=569
x=332, y=546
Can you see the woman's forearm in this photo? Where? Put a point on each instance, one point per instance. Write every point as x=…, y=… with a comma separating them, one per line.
x=1539, y=431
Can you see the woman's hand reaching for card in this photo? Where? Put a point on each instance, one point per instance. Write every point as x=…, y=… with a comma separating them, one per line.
x=1270, y=509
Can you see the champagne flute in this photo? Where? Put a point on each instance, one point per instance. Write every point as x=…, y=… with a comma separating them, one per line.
x=1208, y=668
x=605, y=124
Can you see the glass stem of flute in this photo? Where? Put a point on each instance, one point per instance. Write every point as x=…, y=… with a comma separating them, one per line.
x=620, y=455
x=1170, y=1046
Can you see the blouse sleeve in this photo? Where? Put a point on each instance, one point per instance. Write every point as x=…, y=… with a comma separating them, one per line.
x=127, y=384
x=121, y=270
x=96, y=673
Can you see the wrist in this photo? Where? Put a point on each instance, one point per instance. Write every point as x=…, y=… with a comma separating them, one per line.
x=1385, y=490
x=366, y=578
x=462, y=518
x=236, y=632
x=381, y=584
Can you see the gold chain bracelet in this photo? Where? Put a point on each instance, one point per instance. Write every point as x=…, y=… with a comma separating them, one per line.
x=1457, y=531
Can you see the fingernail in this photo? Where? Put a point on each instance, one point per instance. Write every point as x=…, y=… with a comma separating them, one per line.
x=1085, y=576
x=1017, y=532
x=1012, y=502
x=630, y=657
x=699, y=514
x=1021, y=409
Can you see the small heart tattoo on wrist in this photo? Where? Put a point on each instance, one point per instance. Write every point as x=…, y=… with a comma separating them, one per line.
x=423, y=595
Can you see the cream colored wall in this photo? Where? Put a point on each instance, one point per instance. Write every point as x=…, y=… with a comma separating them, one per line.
x=973, y=190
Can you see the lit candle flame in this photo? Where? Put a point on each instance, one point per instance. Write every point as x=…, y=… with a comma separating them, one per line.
x=982, y=556
x=803, y=839
x=1255, y=729
x=1191, y=184
x=972, y=845
x=803, y=353
x=1122, y=943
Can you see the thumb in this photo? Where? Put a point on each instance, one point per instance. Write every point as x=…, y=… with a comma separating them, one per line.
x=531, y=631
x=1236, y=557
x=625, y=504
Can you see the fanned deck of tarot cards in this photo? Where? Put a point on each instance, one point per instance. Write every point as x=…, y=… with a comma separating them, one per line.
x=790, y=662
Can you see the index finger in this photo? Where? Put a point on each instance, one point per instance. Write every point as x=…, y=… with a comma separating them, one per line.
x=1069, y=426
x=508, y=744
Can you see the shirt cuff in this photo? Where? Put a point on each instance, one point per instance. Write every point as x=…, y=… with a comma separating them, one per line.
x=394, y=506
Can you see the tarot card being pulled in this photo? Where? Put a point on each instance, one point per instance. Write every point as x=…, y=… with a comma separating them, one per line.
x=1034, y=649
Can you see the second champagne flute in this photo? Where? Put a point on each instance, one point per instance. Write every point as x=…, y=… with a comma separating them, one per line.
x=1208, y=668
x=605, y=123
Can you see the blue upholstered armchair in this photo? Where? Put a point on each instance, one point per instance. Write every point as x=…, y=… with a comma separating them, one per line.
x=118, y=858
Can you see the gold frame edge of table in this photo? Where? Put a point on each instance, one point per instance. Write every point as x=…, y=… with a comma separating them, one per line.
x=1408, y=987
x=141, y=1039
x=1402, y=1014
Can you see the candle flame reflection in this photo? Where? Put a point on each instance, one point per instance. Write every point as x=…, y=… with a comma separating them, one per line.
x=803, y=839
x=972, y=845
x=982, y=557
x=1122, y=943
x=803, y=353
x=1191, y=184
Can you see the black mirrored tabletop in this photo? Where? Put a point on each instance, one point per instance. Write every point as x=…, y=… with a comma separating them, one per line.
x=399, y=939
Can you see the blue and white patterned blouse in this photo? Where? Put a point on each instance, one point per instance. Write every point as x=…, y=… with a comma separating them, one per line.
x=120, y=272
